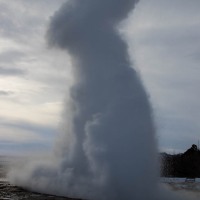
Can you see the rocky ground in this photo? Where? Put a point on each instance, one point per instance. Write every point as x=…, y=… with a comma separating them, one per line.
x=11, y=192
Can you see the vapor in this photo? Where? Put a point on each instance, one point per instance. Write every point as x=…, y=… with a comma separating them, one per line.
x=107, y=150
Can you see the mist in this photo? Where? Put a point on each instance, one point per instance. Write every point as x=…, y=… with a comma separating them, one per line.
x=107, y=149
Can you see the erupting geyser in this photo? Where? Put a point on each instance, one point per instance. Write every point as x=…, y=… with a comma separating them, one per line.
x=108, y=150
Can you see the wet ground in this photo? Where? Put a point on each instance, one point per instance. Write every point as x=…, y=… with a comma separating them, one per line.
x=11, y=192
x=192, y=187
x=179, y=184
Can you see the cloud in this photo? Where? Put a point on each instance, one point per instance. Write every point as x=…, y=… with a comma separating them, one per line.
x=27, y=67
x=5, y=93
x=38, y=129
x=47, y=114
x=11, y=56
x=17, y=148
x=11, y=71
x=14, y=25
x=164, y=36
x=23, y=136
x=24, y=50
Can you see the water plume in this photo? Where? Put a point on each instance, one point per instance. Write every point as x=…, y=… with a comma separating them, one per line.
x=107, y=150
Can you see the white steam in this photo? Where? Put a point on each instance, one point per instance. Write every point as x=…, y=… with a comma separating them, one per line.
x=108, y=148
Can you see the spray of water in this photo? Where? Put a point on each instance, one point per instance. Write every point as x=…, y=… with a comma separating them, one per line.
x=108, y=148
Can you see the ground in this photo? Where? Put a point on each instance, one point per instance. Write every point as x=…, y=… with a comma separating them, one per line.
x=11, y=192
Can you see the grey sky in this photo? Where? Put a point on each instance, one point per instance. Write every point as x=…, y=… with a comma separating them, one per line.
x=164, y=41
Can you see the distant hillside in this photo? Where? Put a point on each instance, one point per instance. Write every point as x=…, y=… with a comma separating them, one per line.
x=181, y=165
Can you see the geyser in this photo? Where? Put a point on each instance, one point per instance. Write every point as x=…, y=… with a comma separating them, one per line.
x=108, y=148
x=114, y=149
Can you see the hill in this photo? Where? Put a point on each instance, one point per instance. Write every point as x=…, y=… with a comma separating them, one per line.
x=181, y=165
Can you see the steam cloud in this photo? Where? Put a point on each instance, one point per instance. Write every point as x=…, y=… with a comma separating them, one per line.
x=108, y=148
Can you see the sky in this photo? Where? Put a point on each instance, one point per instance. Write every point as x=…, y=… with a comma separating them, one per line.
x=164, y=45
